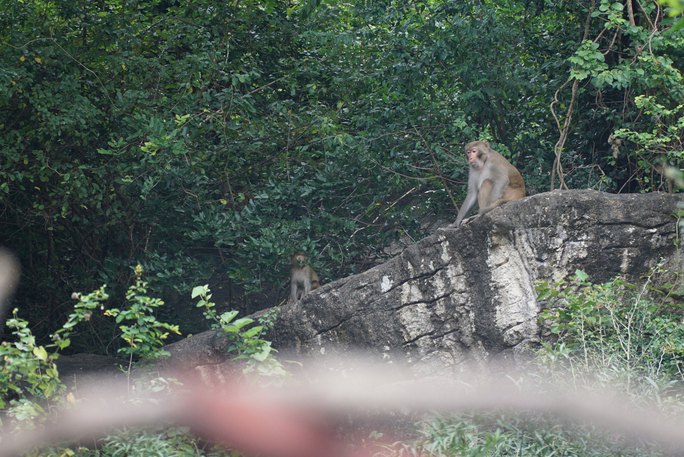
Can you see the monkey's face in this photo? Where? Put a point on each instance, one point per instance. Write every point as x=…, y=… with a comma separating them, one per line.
x=299, y=260
x=476, y=157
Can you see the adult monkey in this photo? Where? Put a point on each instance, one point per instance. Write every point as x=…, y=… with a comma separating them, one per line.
x=492, y=180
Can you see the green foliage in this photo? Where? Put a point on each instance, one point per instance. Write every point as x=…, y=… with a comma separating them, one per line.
x=660, y=148
x=210, y=140
x=244, y=339
x=30, y=384
x=29, y=380
x=492, y=436
x=636, y=77
x=83, y=312
x=587, y=60
x=144, y=334
x=614, y=335
x=172, y=442
x=237, y=133
x=630, y=335
x=676, y=6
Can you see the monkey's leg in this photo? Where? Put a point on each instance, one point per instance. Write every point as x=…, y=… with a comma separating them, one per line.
x=293, y=292
x=505, y=199
x=487, y=209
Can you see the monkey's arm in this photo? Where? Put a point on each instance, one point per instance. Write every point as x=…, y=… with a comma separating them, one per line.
x=467, y=204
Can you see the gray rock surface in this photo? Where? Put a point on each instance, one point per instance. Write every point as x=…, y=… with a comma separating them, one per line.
x=467, y=293
x=84, y=368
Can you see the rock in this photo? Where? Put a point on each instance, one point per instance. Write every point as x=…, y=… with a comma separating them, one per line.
x=84, y=368
x=206, y=348
x=467, y=293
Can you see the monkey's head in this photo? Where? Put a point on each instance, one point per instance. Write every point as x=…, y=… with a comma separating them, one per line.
x=477, y=153
x=299, y=260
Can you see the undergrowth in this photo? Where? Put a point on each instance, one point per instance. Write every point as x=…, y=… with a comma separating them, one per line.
x=625, y=337
x=30, y=386
x=616, y=336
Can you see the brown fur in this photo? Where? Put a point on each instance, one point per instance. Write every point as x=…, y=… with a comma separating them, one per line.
x=303, y=278
x=492, y=180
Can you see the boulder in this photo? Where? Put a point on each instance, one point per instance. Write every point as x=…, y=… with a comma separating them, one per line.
x=467, y=293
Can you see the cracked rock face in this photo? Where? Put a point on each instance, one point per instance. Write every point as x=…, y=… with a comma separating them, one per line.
x=467, y=293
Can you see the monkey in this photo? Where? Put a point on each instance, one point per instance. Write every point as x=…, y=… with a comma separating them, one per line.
x=492, y=180
x=303, y=278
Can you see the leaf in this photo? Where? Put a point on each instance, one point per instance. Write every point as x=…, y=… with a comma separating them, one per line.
x=228, y=316
x=242, y=322
x=252, y=332
x=200, y=290
x=40, y=353
x=231, y=329
x=581, y=275
x=263, y=354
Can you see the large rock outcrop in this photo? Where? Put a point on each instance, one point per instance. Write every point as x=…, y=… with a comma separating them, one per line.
x=467, y=292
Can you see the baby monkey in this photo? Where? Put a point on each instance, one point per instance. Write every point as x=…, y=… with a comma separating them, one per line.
x=303, y=278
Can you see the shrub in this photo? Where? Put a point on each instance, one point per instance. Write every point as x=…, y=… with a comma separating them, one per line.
x=615, y=335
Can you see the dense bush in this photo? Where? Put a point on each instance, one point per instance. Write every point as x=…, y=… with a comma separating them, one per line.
x=30, y=386
x=614, y=336
x=209, y=140
x=631, y=336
